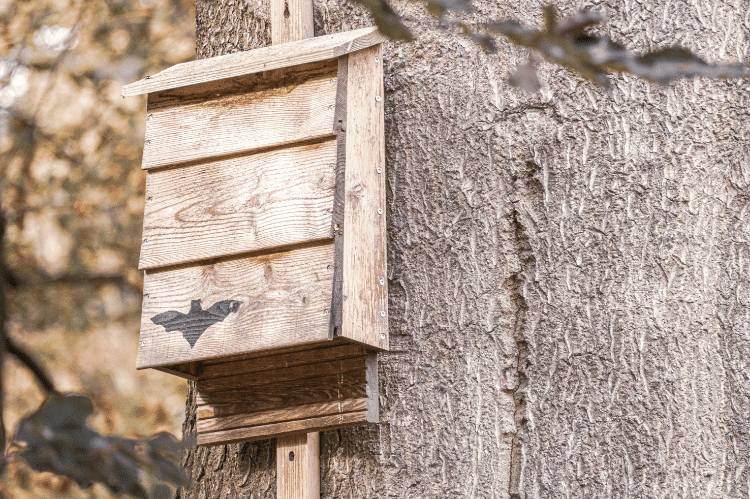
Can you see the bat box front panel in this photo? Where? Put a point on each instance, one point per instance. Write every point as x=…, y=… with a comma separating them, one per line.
x=282, y=299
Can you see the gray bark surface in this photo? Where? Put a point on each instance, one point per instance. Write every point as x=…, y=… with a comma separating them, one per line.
x=569, y=271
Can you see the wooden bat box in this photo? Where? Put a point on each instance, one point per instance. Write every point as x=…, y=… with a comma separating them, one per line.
x=264, y=235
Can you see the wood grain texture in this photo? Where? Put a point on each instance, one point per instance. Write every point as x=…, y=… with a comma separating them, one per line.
x=254, y=61
x=288, y=395
x=281, y=429
x=365, y=286
x=238, y=205
x=298, y=466
x=235, y=123
x=291, y=20
x=276, y=361
x=337, y=219
x=276, y=396
x=285, y=298
x=291, y=413
x=241, y=382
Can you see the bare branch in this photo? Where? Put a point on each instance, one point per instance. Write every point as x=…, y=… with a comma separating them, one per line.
x=27, y=360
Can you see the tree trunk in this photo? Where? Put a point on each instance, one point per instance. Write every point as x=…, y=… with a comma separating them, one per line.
x=569, y=271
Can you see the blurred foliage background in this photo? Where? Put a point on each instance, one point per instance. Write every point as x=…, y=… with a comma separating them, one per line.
x=72, y=194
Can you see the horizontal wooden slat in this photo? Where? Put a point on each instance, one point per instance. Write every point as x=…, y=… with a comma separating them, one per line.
x=285, y=299
x=280, y=395
x=254, y=61
x=287, y=428
x=238, y=205
x=241, y=382
x=281, y=360
x=241, y=122
x=281, y=415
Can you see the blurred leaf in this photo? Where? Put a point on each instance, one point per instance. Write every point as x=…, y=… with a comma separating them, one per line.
x=58, y=439
x=388, y=22
x=593, y=57
x=525, y=78
x=481, y=39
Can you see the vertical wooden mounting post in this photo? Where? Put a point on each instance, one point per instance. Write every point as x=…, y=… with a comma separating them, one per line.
x=298, y=466
x=297, y=456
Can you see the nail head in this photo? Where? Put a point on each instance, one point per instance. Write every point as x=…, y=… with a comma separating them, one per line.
x=380, y=211
x=379, y=170
x=382, y=281
x=382, y=313
x=377, y=98
x=382, y=336
x=325, y=311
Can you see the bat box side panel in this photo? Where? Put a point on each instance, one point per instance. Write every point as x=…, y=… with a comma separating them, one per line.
x=313, y=390
x=232, y=306
x=192, y=124
x=238, y=204
x=364, y=298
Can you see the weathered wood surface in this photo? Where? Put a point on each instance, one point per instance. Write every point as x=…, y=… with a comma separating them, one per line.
x=313, y=424
x=295, y=393
x=285, y=299
x=272, y=361
x=284, y=400
x=239, y=204
x=239, y=122
x=291, y=20
x=364, y=313
x=239, y=382
x=264, y=59
x=298, y=465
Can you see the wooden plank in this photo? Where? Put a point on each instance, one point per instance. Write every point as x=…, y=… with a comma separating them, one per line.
x=237, y=205
x=372, y=389
x=365, y=290
x=337, y=219
x=291, y=20
x=281, y=429
x=240, y=420
x=278, y=361
x=241, y=382
x=298, y=467
x=234, y=123
x=256, y=354
x=186, y=371
x=282, y=395
x=284, y=299
x=255, y=61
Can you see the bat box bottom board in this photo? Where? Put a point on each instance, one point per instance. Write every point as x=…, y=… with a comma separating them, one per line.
x=323, y=388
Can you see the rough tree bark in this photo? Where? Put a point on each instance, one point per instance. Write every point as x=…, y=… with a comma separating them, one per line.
x=569, y=271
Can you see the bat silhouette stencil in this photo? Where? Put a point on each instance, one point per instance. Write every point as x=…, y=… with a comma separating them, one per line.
x=194, y=323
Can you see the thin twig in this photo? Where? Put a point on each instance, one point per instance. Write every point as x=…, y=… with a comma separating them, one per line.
x=3, y=316
x=41, y=375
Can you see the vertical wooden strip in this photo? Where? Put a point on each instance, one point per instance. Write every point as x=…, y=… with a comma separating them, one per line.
x=371, y=384
x=291, y=20
x=337, y=220
x=298, y=466
x=365, y=293
x=298, y=477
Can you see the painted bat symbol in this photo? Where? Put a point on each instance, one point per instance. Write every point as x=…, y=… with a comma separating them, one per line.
x=193, y=324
